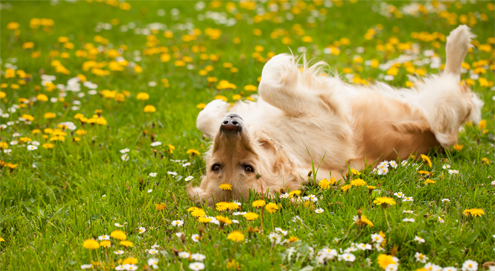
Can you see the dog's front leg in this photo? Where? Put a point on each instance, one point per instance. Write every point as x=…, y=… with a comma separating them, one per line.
x=210, y=118
x=281, y=86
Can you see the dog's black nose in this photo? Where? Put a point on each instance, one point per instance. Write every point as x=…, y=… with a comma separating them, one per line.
x=231, y=123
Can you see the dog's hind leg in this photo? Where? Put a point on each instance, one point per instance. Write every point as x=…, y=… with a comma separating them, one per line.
x=281, y=87
x=458, y=43
x=445, y=103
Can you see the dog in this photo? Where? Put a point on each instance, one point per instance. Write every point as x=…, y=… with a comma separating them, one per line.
x=304, y=117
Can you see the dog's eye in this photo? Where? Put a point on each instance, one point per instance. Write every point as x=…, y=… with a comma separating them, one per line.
x=248, y=168
x=215, y=167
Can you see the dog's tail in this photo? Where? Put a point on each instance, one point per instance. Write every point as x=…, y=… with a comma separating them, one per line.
x=458, y=43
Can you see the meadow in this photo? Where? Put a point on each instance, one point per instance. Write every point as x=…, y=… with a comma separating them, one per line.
x=98, y=142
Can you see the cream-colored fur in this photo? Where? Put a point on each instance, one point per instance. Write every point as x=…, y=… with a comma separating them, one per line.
x=302, y=112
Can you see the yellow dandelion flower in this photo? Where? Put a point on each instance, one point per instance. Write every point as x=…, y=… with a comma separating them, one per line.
x=384, y=201
x=225, y=186
x=160, y=206
x=130, y=260
x=473, y=212
x=12, y=25
x=198, y=213
x=236, y=236
x=193, y=152
x=294, y=193
x=482, y=124
x=223, y=219
x=4, y=145
x=27, y=117
x=426, y=159
x=250, y=216
x=346, y=187
x=258, y=203
x=250, y=88
x=118, y=234
x=91, y=244
x=149, y=109
x=201, y=105
x=365, y=220
x=325, y=184
x=48, y=146
x=49, y=115
x=458, y=147
x=384, y=260
x=203, y=219
x=105, y=243
x=358, y=182
x=126, y=243
x=292, y=239
x=428, y=181
x=143, y=96
x=271, y=207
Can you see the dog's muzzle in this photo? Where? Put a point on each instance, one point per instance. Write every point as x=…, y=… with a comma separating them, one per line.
x=232, y=123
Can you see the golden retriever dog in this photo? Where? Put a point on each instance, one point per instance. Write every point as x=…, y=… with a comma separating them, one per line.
x=305, y=116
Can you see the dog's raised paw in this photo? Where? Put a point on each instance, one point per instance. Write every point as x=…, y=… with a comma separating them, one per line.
x=280, y=71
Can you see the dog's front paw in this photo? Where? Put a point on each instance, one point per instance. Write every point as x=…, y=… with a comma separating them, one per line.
x=211, y=116
x=279, y=71
x=217, y=106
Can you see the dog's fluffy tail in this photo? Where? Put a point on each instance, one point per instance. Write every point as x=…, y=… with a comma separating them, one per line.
x=458, y=43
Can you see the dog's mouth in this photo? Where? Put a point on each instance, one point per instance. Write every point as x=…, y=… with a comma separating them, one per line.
x=232, y=124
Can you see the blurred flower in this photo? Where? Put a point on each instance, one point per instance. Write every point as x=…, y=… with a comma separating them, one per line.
x=91, y=244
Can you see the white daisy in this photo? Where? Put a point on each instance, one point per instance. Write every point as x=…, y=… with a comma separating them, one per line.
x=157, y=143
x=377, y=238
x=141, y=230
x=188, y=178
x=184, y=255
x=177, y=223
x=153, y=263
x=195, y=237
x=197, y=266
x=470, y=265
x=453, y=171
x=419, y=239
x=420, y=257
x=153, y=174
x=198, y=257
x=348, y=257
x=104, y=237
x=319, y=211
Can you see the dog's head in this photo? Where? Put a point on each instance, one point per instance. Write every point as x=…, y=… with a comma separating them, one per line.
x=244, y=160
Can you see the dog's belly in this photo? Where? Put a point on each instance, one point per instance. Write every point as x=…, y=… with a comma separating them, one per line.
x=386, y=129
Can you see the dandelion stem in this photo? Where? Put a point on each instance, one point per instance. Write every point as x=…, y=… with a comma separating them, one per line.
x=271, y=216
x=386, y=217
x=233, y=252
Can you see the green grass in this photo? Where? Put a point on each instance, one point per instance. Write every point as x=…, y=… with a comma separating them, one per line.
x=57, y=198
